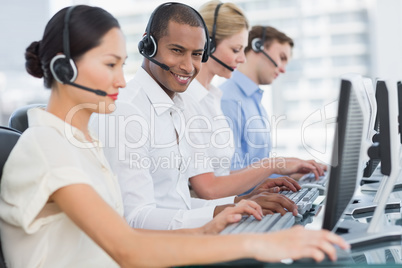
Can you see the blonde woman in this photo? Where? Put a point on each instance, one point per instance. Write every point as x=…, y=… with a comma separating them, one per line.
x=228, y=28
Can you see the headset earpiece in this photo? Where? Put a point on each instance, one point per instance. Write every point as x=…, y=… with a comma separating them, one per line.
x=212, y=46
x=257, y=45
x=62, y=69
x=148, y=46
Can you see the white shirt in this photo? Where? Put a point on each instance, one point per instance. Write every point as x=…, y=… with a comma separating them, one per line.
x=206, y=105
x=153, y=164
x=50, y=155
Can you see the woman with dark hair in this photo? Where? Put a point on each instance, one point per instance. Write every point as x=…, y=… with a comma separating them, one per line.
x=60, y=203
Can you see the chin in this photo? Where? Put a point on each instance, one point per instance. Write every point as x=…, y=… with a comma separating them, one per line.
x=226, y=74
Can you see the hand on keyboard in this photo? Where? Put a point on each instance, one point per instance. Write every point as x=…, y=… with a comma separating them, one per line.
x=276, y=184
x=231, y=215
x=291, y=165
x=274, y=203
x=296, y=243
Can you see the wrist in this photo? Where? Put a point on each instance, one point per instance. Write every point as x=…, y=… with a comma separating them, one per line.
x=249, y=246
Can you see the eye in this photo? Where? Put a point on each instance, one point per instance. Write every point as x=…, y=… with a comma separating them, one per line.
x=111, y=65
x=236, y=50
x=176, y=50
x=198, y=54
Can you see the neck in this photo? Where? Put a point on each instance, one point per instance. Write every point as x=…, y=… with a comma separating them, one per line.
x=76, y=115
x=205, y=76
x=248, y=70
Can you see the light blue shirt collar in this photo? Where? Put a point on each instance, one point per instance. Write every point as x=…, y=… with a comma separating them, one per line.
x=245, y=84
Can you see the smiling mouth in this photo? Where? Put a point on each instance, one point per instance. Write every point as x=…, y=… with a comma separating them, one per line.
x=181, y=78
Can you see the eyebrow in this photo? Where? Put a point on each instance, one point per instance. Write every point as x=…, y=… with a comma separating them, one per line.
x=183, y=48
x=116, y=56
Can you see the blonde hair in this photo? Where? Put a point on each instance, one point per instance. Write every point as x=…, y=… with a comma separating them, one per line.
x=230, y=20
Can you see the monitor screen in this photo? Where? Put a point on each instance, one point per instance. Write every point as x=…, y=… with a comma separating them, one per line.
x=352, y=124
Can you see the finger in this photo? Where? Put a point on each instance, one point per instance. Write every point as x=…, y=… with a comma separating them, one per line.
x=281, y=204
x=316, y=254
x=275, y=189
x=320, y=167
x=294, y=183
x=249, y=207
x=337, y=240
x=312, y=168
x=233, y=218
x=287, y=182
x=267, y=211
x=328, y=249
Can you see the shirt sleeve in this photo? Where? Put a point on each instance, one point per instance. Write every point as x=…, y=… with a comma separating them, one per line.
x=35, y=169
x=235, y=117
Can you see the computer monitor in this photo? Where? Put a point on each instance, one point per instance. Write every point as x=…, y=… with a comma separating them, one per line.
x=378, y=152
x=372, y=133
x=352, y=120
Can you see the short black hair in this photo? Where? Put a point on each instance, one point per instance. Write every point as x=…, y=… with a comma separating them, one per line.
x=177, y=12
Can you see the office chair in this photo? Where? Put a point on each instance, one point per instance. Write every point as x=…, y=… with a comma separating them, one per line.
x=8, y=139
x=19, y=118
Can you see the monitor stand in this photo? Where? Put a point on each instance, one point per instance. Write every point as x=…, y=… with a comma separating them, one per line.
x=357, y=234
x=366, y=204
x=378, y=230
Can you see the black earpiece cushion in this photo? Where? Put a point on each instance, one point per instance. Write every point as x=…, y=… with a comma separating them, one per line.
x=63, y=70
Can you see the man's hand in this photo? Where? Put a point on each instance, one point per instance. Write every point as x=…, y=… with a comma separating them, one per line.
x=275, y=185
x=271, y=202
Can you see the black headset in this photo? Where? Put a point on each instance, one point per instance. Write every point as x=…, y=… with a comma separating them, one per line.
x=62, y=66
x=148, y=45
x=257, y=45
x=212, y=46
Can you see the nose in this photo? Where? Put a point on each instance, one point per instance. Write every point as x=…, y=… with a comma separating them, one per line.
x=242, y=57
x=120, y=81
x=282, y=68
x=186, y=64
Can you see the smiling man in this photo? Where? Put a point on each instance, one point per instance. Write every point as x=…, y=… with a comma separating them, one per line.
x=145, y=138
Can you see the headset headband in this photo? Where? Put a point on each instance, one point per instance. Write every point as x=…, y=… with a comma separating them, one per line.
x=214, y=27
x=66, y=33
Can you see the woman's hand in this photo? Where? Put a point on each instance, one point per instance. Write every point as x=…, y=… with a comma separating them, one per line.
x=291, y=165
x=231, y=215
x=297, y=243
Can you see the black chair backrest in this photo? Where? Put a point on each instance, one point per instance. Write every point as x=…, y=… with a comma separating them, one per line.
x=19, y=118
x=8, y=139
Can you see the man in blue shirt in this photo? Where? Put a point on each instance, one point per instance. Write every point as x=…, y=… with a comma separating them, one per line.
x=267, y=55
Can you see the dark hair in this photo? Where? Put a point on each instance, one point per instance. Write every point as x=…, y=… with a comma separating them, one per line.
x=271, y=34
x=87, y=26
x=181, y=14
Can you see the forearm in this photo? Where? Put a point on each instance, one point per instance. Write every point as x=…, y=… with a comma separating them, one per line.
x=174, y=249
x=238, y=182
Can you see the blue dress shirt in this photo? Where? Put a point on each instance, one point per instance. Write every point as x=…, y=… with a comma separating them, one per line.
x=241, y=103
